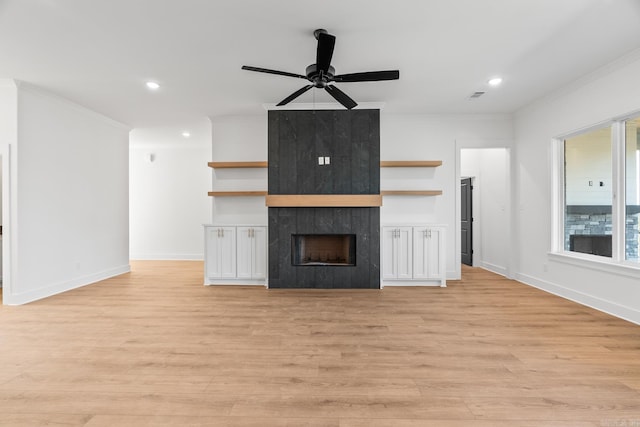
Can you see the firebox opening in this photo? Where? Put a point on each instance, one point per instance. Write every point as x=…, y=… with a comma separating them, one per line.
x=323, y=249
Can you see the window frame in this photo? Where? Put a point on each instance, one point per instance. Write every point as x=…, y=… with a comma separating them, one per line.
x=617, y=263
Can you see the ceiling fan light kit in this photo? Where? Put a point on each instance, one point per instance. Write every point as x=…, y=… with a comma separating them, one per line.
x=322, y=74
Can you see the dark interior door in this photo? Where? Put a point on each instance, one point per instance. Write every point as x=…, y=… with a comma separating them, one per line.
x=466, y=197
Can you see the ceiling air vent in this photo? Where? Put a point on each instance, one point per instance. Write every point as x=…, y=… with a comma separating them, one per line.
x=475, y=95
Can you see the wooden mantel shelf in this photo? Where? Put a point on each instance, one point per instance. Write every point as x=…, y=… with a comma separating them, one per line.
x=236, y=193
x=323, y=200
x=411, y=192
x=229, y=165
x=383, y=164
x=410, y=163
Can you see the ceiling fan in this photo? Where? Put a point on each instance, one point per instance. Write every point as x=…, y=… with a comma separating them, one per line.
x=321, y=74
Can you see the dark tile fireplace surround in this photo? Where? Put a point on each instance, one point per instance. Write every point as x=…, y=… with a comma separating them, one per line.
x=351, y=140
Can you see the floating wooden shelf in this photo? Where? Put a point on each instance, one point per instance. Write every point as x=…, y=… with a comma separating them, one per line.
x=411, y=193
x=410, y=163
x=236, y=193
x=229, y=165
x=324, y=200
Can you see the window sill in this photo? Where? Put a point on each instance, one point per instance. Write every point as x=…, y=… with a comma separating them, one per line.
x=596, y=263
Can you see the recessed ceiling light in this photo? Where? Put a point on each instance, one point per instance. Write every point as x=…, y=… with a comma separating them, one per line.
x=495, y=81
x=153, y=85
x=186, y=134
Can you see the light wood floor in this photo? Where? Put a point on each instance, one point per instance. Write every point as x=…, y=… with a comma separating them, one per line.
x=155, y=347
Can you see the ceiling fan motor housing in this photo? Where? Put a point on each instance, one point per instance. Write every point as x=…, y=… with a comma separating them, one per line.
x=319, y=78
x=319, y=31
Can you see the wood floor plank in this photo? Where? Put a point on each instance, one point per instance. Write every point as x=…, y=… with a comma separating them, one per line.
x=156, y=347
x=369, y=422
x=301, y=405
x=192, y=421
x=561, y=408
x=31, y=420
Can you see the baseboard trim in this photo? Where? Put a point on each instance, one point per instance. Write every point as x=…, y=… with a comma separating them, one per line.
x=494, y=268
x=234, y=282
x=67, y=285
x=167, y=257
x=623, y=312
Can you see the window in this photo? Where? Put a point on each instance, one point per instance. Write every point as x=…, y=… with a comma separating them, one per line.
x=632, y=188
x=588, y=193
x=598, y=193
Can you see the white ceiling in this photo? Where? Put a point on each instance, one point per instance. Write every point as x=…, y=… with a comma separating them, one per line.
x=99, y=53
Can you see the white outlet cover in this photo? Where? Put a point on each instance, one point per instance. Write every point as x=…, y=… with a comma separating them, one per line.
x=321, y=160
x=327, y=160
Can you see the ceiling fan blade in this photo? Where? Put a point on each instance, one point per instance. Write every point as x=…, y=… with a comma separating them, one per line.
x=369, y=76
x=341, y=97
x=326, y=43
x=279, y=73
x=294, y=95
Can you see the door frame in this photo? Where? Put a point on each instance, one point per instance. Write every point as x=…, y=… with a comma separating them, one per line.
x=505, y=144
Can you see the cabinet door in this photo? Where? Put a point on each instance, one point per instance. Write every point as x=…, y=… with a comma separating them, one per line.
x=435, y=253
x=259, y=254
x=210, y=254
x=252, y=253
x=404, y=252
x=221, y=252
x=396, y=253
x=428, y=253
x=389, y=256
x=420, y=253
x=243, y=253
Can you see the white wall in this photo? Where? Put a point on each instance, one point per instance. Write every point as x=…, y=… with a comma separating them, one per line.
x=239, y=138
x=429, y=137
x=68, y=199
x=489, y=169
x=8, y=139
x=169, y=181
x=610, y=93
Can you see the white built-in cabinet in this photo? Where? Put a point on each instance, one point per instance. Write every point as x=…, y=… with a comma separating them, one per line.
x=235, y=255
x=413, y=255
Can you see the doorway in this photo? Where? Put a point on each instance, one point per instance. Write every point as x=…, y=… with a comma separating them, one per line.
x=489, y=211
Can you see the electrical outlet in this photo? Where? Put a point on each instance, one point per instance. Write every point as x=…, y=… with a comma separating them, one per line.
x=321, y=160
x=327, y=160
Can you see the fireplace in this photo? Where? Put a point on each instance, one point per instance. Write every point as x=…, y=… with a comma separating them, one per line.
x=329, y=243
x=323, y=249
x=361, y=226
